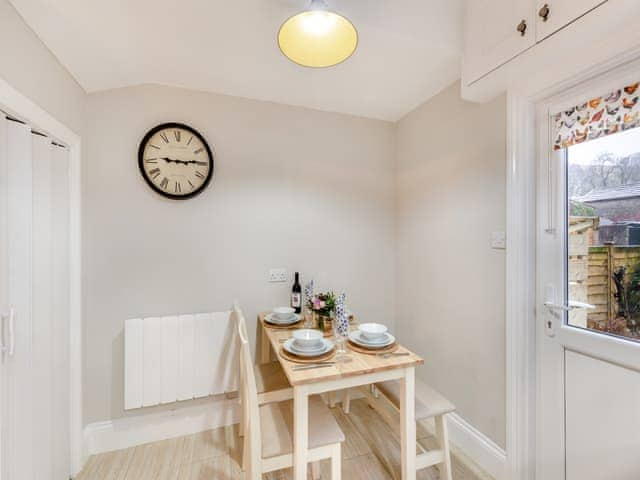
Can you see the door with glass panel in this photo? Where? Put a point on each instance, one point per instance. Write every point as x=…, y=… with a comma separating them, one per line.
x=588, y=295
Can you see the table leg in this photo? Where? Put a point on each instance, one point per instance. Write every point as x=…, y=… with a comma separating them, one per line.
x=408, y=424
x=265, y=346
x=300, y=431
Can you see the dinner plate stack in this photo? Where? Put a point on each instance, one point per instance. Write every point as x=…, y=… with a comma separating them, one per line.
x=372, y=336
x=308, y=343
x=282, y=316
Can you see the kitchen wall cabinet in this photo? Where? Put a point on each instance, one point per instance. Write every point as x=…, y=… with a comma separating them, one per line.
x=577, y=36
x=552, y=15
x=496, y=31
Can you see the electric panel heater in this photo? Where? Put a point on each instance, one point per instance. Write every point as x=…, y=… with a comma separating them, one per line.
x=176, y=358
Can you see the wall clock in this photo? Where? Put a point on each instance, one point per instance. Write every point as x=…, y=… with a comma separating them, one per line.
x=175, y=160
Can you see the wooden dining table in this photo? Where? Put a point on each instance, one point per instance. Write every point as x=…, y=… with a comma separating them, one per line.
x=361, y=369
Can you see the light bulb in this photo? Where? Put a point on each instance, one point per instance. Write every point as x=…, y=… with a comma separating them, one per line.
x=318, y=22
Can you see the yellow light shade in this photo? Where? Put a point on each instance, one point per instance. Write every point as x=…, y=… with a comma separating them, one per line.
x=317, y=38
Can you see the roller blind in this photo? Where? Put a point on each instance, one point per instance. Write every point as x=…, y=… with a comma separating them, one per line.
x=611, y=113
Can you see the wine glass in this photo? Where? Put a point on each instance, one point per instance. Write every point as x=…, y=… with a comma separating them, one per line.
x=308, y=317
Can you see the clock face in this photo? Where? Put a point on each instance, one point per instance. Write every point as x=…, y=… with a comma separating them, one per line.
x=175, y=160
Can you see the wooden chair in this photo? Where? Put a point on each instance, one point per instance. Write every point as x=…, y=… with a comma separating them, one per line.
x=269, y=428
x=429, y=404
x=271, y=382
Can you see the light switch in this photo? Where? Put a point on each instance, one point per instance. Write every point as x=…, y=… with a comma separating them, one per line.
x=498, y=240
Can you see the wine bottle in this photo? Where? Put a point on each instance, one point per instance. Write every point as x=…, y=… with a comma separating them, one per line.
x=296, y=294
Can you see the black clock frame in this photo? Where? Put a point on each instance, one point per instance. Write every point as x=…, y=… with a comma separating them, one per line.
x=197, y=134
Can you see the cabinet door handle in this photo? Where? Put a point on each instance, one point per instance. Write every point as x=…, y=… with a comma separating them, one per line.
x=544, y=12
x=522, y=27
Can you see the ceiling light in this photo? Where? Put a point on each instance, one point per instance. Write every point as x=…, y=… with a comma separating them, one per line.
x=317, y=38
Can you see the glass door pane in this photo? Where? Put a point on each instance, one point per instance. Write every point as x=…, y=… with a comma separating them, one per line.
x=603, y=234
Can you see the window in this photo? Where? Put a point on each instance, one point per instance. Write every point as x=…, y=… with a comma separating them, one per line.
x=603, y=234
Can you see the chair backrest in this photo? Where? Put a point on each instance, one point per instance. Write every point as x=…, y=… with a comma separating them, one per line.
x=248, y=389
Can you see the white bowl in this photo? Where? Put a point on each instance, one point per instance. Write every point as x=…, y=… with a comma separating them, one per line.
x=306, y=337
x=373, y=331
x=283, y=312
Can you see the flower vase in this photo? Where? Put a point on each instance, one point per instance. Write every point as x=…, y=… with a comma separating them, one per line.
x=325, y=324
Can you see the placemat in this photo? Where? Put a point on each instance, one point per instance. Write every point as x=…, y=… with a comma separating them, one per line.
x=369, y=351
x=295, y=359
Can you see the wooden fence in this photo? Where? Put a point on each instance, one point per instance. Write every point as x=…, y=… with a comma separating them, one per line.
x=602, y=262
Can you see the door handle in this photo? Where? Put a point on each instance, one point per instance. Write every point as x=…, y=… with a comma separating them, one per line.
x=10, y=348
x=12, y=334
x=572, y=305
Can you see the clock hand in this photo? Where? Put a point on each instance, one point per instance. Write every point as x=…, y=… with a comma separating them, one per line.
x=169, y=160
x=183, y=162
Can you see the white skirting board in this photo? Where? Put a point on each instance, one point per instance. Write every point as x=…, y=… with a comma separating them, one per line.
x=475, y=446
x=130, y=431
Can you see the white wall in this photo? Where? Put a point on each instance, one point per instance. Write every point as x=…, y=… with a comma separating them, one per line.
x=294, y=188
x=450, y=288
x=28, y=65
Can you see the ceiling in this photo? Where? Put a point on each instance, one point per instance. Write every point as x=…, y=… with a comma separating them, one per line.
x=408, y=49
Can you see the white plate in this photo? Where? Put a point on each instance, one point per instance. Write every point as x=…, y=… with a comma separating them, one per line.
x=315, y=351
x=356, y=338
x=271, y=318
x=313, y=348
x=327, y=346
x=383, y=338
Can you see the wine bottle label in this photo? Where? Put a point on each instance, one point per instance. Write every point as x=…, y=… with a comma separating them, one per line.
x=295, y=300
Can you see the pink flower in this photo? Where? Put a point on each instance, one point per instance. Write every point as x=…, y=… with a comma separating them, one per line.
x=322, y=304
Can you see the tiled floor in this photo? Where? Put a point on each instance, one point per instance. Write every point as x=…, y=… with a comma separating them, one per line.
x=371, y=452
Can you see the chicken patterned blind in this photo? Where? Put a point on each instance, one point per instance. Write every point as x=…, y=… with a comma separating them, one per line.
x=600, y=116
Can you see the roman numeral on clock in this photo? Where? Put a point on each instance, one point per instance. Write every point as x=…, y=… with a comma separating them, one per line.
x=164, y=137
x=154, y=173
x=178, y=188
x=200, y=150
x=164, y=183
x=177, y=134
x=151, y=160
x=199, y=175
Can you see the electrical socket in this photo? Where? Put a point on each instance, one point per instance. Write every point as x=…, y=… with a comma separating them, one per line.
x=278, y=275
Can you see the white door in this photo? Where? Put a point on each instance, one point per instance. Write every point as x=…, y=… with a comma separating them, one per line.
x=495, y=32
x=552, y=15
x=34, y=301
x=588, y=296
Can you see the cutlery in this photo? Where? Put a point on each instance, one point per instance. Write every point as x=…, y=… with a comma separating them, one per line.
x=393, y=354
x=310, y=367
